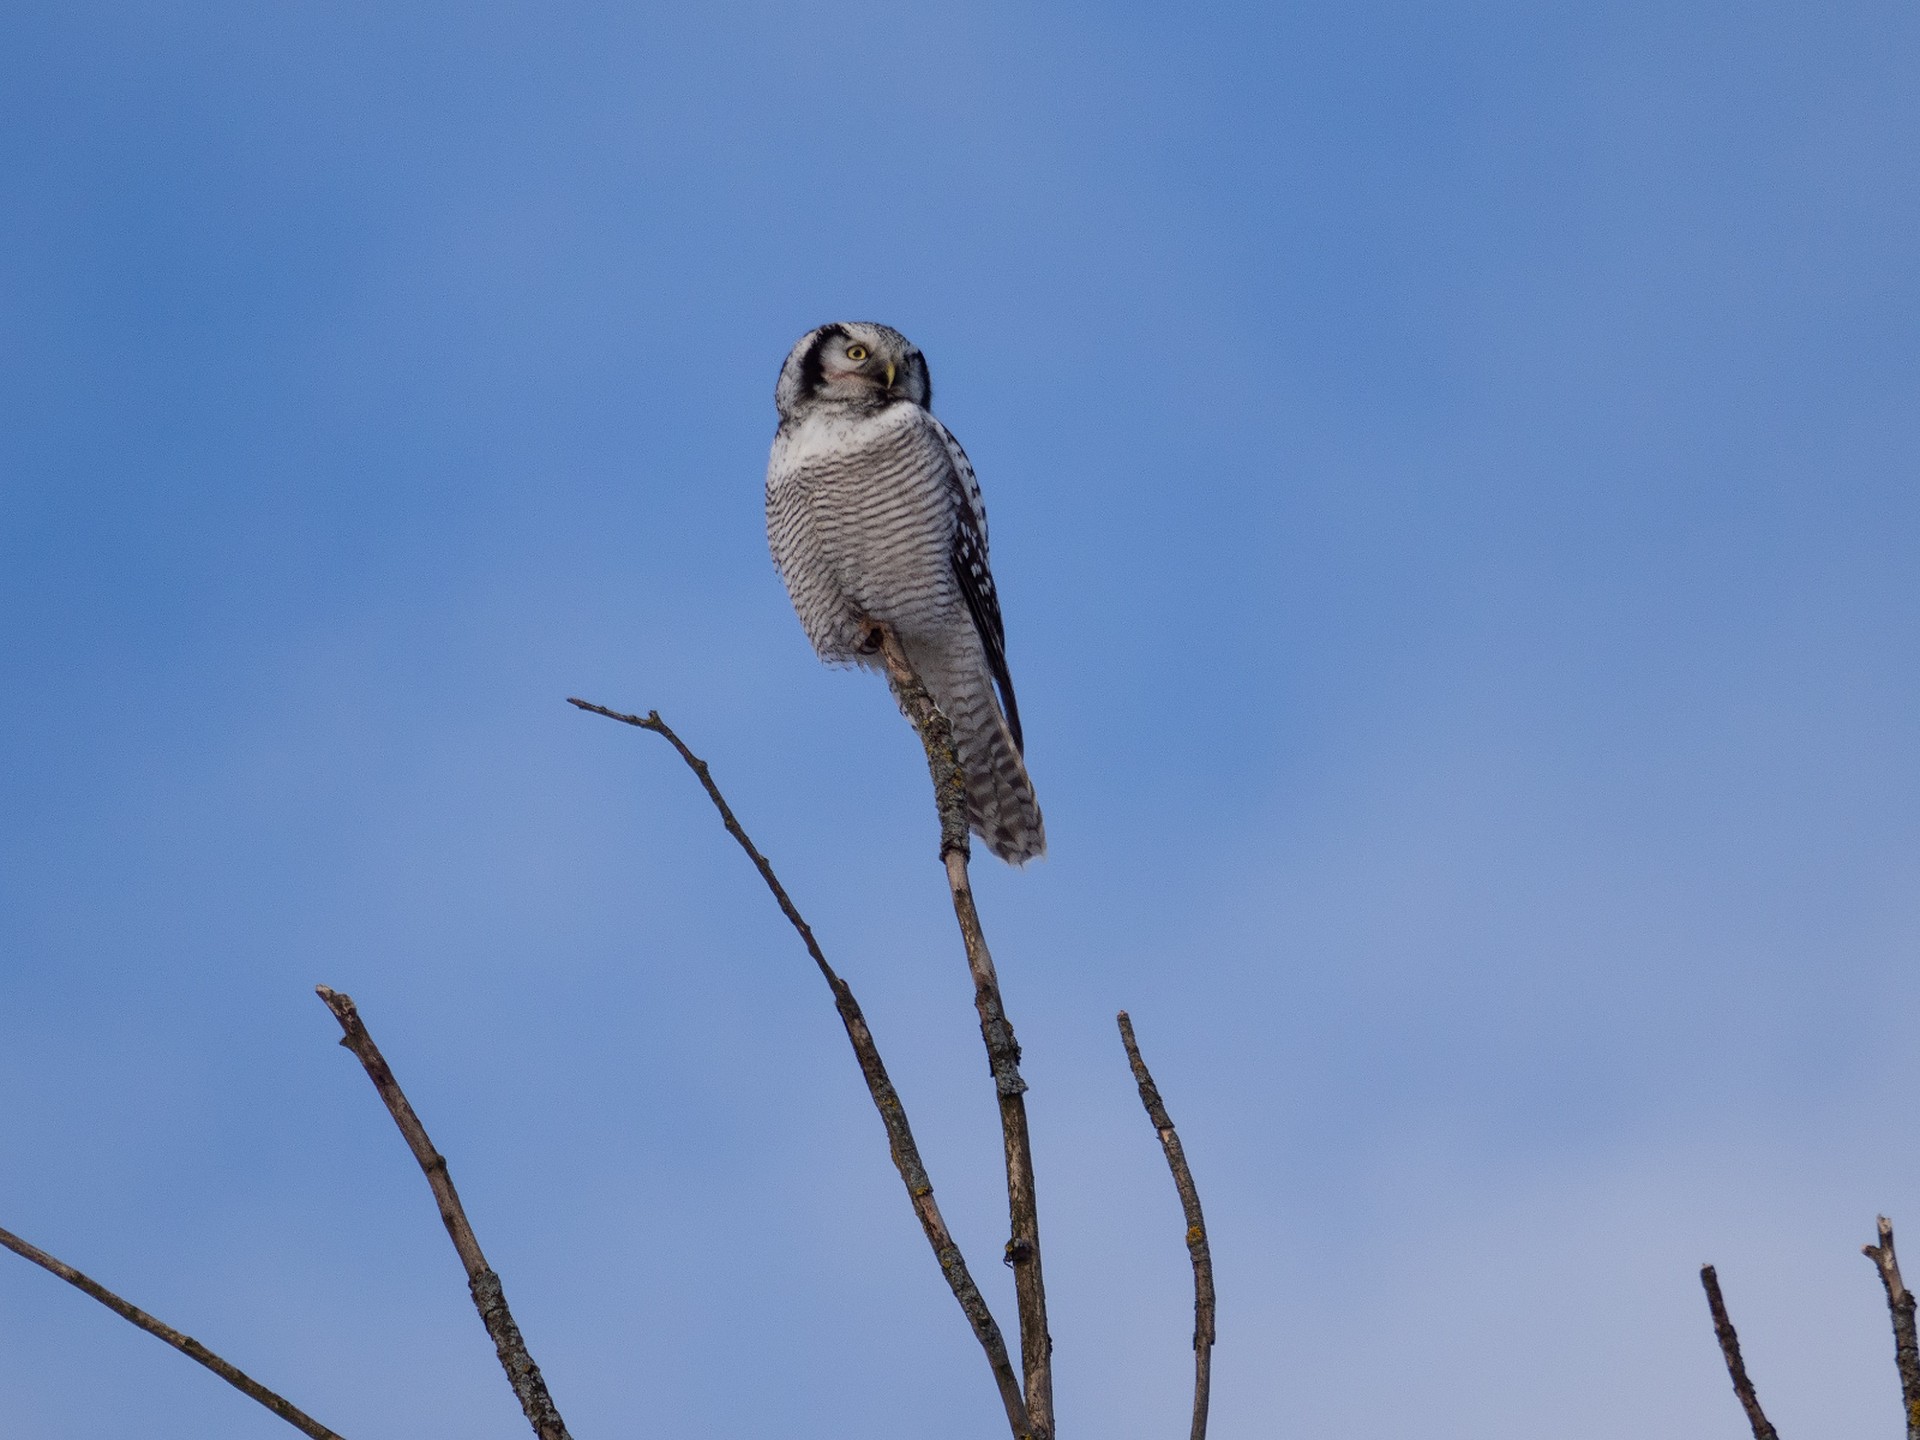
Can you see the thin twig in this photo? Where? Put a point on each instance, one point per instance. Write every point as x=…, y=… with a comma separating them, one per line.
x=488, y=1298
x=900, y=1142
x=1003, y=1050
x=1736, y=1367
x=1906, y=1348
x=1203, y=1303
x=185, y=1344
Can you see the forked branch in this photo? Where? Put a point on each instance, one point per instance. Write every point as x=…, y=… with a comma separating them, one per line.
x=185, y=1344
x=488, y=1298
x=1196, y=1227
x=1906, y=1350
x=1003, y=1050
x=900, y=1141
x=1736, y=1367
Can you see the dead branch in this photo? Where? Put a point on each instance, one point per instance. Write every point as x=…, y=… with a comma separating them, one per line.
x=900, y=1141
x=488, y=1297
x=185, y=1344
x=1906, y=1348
x=1003, y=1050
x=1203, y=1302
x=1736, y=1367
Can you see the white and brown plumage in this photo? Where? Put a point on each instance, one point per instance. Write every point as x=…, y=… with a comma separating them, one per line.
x=874, y=515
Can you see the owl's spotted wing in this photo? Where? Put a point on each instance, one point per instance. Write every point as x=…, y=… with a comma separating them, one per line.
x=975, y=579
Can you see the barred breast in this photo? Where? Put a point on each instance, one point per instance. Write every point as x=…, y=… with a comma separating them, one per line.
x=861, y=525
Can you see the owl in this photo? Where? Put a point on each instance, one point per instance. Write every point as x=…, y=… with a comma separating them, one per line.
x=874, y=514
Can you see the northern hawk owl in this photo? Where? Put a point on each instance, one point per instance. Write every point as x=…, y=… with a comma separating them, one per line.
x=874, y=515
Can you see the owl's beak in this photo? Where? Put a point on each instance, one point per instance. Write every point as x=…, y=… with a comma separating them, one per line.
x=889, y=374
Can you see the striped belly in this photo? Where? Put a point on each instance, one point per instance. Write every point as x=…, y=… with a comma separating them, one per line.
x=885, y=536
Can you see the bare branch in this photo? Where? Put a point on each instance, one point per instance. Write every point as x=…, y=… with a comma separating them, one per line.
x=1736, y=1367
x=1003, y=1050
x=1906, y=1349
x=185, y=1344
x=900, y=1141
x=1203, y=1303
x=488, y=1297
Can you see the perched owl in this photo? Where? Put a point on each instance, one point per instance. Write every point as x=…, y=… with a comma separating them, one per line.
x=874, y=515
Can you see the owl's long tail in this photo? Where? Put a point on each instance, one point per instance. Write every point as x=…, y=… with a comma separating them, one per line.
x=1001, y=807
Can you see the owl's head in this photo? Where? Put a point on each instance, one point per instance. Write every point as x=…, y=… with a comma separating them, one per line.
x=855, y=364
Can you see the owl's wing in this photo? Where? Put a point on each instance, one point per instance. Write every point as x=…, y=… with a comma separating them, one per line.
x=970, y=571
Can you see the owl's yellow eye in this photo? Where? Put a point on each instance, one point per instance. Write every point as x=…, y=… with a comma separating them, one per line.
x=856, y=353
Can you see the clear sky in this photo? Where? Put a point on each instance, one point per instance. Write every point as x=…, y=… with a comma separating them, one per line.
x=1452, y=475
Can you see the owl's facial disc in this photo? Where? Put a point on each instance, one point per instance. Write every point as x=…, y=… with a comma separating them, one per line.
x=853, y=362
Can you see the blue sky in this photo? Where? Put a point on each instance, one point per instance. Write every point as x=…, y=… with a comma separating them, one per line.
x=1452, y=483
